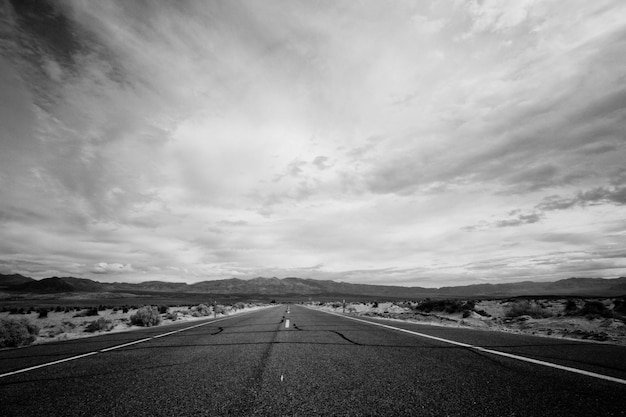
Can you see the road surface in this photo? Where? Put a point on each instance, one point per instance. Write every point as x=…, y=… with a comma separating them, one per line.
x=322, y=364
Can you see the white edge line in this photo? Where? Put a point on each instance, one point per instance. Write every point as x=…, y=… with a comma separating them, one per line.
x=19, y=371
x=494, y=352
x=32, y=368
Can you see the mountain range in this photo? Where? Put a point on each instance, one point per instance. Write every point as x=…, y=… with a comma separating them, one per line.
x=16, y=283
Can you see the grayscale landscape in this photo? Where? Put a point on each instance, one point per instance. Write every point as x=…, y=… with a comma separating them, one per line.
x=312, y=208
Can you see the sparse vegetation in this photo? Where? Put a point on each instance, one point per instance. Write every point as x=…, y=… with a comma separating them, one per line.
x=526, y=308
x=570, y=307
x=14, y=333
x=619, y=306
x=200, y=310
x=146, y=316
x=89, y=312
x=43, y=313
x=446, y=306
x=595, y=309
x=101, y=324
x=172, y=315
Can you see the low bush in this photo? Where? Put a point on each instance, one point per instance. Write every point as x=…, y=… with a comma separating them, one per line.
x=447, y=306
x=99, y=325
x=43, y=313
x=570, y=307
x=146, y=316
x=172, y=315
x=200, y=310
x=526, y=308
x=595, y=309
x=14, y=333
x=89, y=312
x=163, y=309
x=619, y=306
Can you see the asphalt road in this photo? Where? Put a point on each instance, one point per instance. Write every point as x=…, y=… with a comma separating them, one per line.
x=252, y=365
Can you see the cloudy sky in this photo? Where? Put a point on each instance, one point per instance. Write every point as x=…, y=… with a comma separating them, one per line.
x=408, y=142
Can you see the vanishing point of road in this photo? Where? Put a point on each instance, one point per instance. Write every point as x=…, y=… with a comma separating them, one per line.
x=304, y=362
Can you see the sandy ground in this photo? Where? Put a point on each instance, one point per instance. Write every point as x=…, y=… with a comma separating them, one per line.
x=558, y=325
x=64, y=326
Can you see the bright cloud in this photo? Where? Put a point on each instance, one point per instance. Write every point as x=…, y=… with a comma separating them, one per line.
x=414, y=143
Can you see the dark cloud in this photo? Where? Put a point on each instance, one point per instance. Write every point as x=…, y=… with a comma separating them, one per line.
x=321, y=162
x=520, y=220
x=594, y=196
x=517, y=219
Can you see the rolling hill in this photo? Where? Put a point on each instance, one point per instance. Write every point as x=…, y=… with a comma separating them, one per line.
x=310, y=287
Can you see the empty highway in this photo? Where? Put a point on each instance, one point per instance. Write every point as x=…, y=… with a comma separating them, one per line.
x=320, y=364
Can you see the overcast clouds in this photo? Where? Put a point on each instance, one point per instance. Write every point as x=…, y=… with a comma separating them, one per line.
x=413, y=143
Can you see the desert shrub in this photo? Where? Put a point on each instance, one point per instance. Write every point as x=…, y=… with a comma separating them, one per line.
x=239, y=306
x=570, y=307
x=99, y=325
x=447, y=306
x=595, y=309
x=526, y=308
x=619, y=306
x=124, y=309
x=375, y=304
x=219, y=309
x=201, y=310
x=146, y=316
x=68, y=324
x=14, y=333
x=483, y=313
x=468, y=305
x=163, y=309
x=172, y=315
x=43, y=313
x=89, y=312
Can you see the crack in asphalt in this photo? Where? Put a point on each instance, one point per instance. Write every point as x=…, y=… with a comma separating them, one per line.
x=345, y=338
